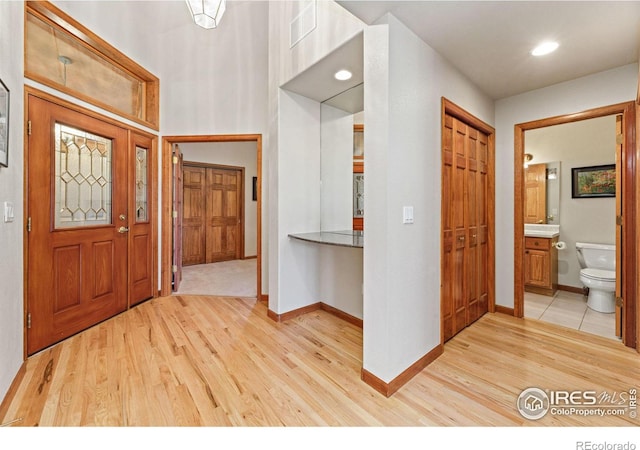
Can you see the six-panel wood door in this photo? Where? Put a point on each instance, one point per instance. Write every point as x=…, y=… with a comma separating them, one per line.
x=193, y=215
x=223, y=214
x=465, y=218
x=212, y=214
x=77, y=243
x=535, y=193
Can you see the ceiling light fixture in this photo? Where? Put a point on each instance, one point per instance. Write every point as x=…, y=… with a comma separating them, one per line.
x=343, y=75
x=545, y=48
x=206, y=13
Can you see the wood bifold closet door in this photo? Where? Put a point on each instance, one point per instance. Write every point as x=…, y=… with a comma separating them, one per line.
x=212, y=222
x=465, y=262
x=90, y=243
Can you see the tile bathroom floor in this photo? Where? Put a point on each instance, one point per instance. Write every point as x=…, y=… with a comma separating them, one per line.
x=570, y=310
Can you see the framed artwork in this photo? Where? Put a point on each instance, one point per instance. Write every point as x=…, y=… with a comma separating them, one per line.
x=4, y=125
x=593, y=181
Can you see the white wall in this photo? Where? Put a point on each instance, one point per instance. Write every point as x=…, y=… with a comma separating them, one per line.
x=11, y=179
x=601, y=89
x=298, y=269
x=404, y=82
x=579, y=144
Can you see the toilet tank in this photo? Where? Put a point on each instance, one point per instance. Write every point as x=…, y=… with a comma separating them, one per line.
x=596, y=256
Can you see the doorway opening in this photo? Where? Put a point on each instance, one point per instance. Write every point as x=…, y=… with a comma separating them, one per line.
x=531, y=264
x=169, y=143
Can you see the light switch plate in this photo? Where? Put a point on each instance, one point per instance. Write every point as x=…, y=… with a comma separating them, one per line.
x=8, y=212
x=407, y=214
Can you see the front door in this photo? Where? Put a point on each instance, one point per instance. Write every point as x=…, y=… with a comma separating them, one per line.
x=77, y=222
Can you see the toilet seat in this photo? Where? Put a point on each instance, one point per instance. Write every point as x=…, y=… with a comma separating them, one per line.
x=598, y=274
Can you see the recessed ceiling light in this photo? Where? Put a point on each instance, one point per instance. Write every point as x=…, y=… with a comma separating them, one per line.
x=544, y=49
x=343, y=75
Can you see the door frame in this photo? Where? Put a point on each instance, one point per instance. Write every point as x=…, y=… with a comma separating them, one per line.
x=153, y=200
x=629, y=207
x=167, y=225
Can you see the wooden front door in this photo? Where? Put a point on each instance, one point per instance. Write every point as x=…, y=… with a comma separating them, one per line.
x=141, y=228
x=77, y=222
x=466, y=263
x=212, y=229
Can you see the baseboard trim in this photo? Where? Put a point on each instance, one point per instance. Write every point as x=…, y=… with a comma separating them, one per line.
x=250, y=257
x=577, y=290
x=17, y=380
x=353, y=320
x=314, y=307
x=505, y=310
x=264, y=298
x=294, y=313
x=388, y=389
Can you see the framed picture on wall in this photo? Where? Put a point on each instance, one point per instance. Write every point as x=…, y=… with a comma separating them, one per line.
x=593, y=181
x=4, y=125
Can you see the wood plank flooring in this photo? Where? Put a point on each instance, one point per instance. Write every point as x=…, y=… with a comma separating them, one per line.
x=210, y=361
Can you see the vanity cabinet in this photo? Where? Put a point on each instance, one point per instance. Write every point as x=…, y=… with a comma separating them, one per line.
x=540, y=265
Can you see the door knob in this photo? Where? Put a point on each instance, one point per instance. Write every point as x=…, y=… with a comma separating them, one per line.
x=123, y=230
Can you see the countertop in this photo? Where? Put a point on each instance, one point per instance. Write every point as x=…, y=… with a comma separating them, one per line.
x=346, y=238
x=541, y=230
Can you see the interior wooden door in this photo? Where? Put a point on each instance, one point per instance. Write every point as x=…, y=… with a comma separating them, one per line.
x=535, y=193
x=77, y=238
x=465, y=223
x=178, y=192
x=619, y=246
x=223, y=214
x=193, y=215
x=141, y=268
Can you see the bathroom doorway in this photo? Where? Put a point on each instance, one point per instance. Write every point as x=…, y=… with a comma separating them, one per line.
x=562, y=145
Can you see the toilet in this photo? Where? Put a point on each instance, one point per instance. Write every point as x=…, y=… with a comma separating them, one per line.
x=598, y=273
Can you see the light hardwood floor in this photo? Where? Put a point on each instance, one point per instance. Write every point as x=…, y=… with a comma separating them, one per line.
x=207, y=361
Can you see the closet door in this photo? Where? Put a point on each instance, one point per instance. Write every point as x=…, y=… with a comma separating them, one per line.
x=464, y=225
x=193, y=215
x=223, y=214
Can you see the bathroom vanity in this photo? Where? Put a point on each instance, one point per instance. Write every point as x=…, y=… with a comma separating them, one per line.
x=541, y=260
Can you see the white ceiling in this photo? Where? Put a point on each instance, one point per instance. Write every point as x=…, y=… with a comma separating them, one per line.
x=490, y=41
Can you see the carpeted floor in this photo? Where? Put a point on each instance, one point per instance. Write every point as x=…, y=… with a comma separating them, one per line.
x=235, y=278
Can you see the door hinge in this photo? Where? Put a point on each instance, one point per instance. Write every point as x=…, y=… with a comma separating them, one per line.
x=175, y=214
x=619, y=139
x=28, y=127
x=619, y=220
x=28, y=320
x=28, y=224
x=174, y=268
x=175, y=159
x=619, y=302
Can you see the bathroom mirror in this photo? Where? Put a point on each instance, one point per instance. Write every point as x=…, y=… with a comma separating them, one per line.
x=542, y=193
